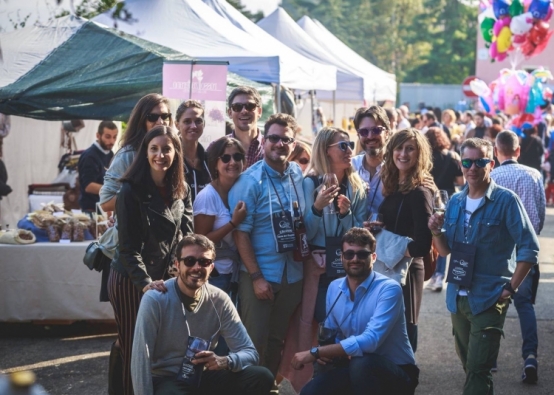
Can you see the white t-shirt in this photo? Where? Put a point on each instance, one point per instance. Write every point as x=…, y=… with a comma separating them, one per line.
x=471, y=206
x=208, y=202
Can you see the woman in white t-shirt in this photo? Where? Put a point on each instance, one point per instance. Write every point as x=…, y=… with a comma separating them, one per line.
x=212, y=216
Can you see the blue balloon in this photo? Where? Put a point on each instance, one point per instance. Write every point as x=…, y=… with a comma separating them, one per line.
x=485, y=105
x=539, y=8
x=501, y=8
x=517, y=131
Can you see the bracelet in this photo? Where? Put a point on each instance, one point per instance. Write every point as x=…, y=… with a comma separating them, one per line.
x=508, y=287
x=437, y=234
x=232, y=224
x=256, y=275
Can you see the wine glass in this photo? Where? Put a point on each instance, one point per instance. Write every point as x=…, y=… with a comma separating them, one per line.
x=330, y=180
x=439, y=201
x=375, y=222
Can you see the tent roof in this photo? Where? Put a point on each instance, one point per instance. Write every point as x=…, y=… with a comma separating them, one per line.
x=73, y=68
x=350, y=83
x=385, y=83
x=191, y=27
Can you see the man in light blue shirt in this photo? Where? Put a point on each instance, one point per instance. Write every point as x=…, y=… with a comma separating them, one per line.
x=371, y=352
x=270, y=283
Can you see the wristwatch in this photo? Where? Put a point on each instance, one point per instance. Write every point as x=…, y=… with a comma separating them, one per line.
x=315, y=352
x=230, y=364
x=508, y=287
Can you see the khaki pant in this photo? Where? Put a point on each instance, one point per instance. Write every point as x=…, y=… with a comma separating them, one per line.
x=267, y=320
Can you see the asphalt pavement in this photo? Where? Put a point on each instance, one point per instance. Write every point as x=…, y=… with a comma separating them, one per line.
x=73, y=359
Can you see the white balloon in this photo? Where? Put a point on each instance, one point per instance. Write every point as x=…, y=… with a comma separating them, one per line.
x=480, y=88
x=521, y=24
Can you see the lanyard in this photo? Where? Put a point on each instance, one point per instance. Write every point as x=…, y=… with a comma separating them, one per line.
x=351, y=311
x=375, y=193
x=276, y=193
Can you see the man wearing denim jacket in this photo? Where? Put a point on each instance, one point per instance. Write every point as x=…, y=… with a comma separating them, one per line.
x=493, y=220
x=270, y=282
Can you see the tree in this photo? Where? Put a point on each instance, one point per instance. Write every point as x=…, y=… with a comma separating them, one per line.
x=253, y=17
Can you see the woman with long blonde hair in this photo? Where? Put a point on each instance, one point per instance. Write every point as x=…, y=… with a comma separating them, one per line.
x=408, y=189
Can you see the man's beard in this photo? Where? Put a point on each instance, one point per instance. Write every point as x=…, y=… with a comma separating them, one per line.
x=374, y=151
x=104, y=146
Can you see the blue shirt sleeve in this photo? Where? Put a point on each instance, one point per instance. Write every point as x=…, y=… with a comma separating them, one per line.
x=245, y=189
x=520, y=228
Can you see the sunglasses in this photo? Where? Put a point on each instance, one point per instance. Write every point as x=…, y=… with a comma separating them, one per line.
x=154, y=117
x=360, y=254
x=480, y=163
x=344, y=145
x=376, y=130
x=303, y=161
x=274, y=139
x=237, y=107
x=190, y=261
x=237, y=157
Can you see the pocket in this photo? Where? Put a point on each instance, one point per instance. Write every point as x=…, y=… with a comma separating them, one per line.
x=487, y=347
x=489, y=230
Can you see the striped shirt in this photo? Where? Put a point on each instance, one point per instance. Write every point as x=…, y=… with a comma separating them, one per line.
x=527, y=183
x=255, y=151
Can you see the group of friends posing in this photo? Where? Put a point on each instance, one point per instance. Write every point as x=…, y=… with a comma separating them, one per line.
x=222, y=216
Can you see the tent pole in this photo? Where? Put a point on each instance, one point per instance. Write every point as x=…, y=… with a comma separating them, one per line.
x=278, y=98
x=314, y=128
x=334, y=107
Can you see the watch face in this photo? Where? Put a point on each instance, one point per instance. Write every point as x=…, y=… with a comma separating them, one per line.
x=313, y=350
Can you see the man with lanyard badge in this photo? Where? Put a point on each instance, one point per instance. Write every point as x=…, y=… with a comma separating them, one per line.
x=493, y=247
x=270, y=283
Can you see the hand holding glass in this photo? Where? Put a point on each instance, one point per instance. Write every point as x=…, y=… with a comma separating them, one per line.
x=329, y=181
x=375, y=222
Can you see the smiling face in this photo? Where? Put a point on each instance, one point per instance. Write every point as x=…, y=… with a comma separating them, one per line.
x=245, y=120
x=230, y=170
x=339, y=159
x=405, y=157
x=475, y=176
x=372, y=144
x=161, y=153
x=191, y=124
x=159, y=109
x=278, y=153
x=192, y=278
x=356, y=267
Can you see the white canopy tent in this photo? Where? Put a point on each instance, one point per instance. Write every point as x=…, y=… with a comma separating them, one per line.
x=191, y=27
x=384, y=86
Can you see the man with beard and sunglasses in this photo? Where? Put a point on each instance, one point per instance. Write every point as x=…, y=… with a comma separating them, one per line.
x=270, y=280
x=373, y=128
x=192, y=309
x=369, y=350
x=93, y=163
x=493, y=246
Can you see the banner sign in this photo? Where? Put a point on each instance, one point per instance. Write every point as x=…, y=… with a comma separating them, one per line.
x=195, y=81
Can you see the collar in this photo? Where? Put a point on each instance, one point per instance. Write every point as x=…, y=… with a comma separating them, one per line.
x=106, y=152
x=343, y=286
x=258, y=137
x=509, y=162
x=274, y=173
x=488, y=194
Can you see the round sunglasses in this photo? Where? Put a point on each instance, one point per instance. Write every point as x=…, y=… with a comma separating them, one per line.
x=154, y=117
x=344, y=145
x=190, y=261
x=360, y=254
x=237, y=157
x=480, y=163
x=237, y=107
x=376, y=130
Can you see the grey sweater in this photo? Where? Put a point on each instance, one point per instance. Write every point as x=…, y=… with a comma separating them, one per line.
x=161, y=333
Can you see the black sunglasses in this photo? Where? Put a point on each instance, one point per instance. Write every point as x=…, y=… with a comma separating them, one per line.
x=344, y=145
x=154, y=117
x=190, y=261
x=376, y=130
x=480, y=163
x=274, y=139
x=237, y=107
x=360, y=254
x=303, y=161
x=237, y=157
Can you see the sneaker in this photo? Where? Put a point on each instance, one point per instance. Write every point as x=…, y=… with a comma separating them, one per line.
x=437, y=284
x=530, y=371
x=494, y=368
x=431, y=283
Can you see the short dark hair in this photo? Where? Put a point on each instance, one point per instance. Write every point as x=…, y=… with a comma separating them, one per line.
x=245, y=90
x=106, y=124
x=480, y=114
x=195, y=240
x=184, y=106
x=360, y=237
x=468, y=114
x=377, y=113
x=282, y=119
x=217, y=148
x=477, y=143
x=507, y=142
x=430, y=116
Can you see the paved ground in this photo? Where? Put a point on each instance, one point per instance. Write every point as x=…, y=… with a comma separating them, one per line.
x=73, y=359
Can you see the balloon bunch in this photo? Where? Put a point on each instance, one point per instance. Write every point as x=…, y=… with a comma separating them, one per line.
x=516, y=93
x=508, y=25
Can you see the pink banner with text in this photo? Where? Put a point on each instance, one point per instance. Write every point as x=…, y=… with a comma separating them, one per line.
x=199, y=81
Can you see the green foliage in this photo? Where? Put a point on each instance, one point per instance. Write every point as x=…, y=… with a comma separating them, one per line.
x=429, y=41
x=253, y=17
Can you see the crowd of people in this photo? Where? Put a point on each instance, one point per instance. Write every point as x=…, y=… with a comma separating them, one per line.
x=232, y=222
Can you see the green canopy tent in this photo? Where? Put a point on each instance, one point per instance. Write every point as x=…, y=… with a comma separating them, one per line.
x=78, y=69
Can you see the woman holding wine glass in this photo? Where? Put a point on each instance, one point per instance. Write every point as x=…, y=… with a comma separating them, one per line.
x=408, y=189
x=335, y=195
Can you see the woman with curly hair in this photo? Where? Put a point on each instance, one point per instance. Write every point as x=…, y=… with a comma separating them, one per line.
x=408, y=189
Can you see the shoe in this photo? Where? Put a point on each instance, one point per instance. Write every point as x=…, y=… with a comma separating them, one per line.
x=437, y=284
x=530, y=371
x=494, y=368
x=431, y=282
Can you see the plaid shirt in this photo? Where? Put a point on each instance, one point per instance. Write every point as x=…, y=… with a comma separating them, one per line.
x=255, y=152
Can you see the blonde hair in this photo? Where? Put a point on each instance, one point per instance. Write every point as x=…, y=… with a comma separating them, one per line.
x=421, y=171
x=451, y=113
x=319, y=164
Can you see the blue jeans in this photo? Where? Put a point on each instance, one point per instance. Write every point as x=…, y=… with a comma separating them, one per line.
x=441, y=265
x=370, y=374
x=527, y=319
x=223, y=282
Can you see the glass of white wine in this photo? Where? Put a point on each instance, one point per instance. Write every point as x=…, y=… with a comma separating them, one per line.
x=440, y=201
x=330, y=180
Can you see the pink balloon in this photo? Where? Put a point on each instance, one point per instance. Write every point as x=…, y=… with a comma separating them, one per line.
x=515, y=94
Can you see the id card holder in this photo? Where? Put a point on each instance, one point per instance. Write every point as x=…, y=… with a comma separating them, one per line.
x=333, y=257
x=462, y=262
x=189, y=373
x=283, y=230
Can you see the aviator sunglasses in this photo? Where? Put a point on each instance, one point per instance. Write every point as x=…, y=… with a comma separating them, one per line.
x=344, y=145
x=361, y=254
x=237, y=107
x=480, y=163
x=154, y=117
x=376, y=130
x=237, y=157
x=190, y=261
x=274, y=139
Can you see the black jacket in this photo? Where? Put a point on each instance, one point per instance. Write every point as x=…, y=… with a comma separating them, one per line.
x=148, y=231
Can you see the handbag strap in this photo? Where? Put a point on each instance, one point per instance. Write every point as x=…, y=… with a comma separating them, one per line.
x=398, y=213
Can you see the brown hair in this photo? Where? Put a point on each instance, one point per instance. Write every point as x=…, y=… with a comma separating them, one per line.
x=106, y=124
x=245, y=90
x=195, y=240
x=360, y=237
x=217, y=148
x=184, y=106
x=437, y=139
x=282, y=119
x=377, y=113
x=300, y=148
x=477, y=143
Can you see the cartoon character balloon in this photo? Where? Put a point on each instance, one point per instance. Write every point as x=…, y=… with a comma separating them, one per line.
x=540, y=8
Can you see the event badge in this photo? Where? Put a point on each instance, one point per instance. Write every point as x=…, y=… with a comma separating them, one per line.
x=190, y=373
x=333, y=257
x=462, y=262
x=283, y=230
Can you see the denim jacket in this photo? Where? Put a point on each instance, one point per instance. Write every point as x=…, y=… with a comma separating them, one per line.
x=120, y=163
x=252, y=187
x=503, y=235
